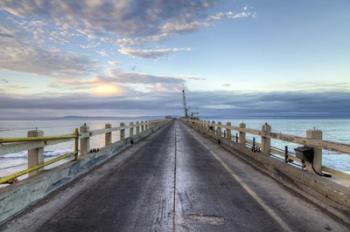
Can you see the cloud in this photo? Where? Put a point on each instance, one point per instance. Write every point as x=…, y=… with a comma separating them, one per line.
x=94, y=87
x=120, y=76
x=5, y=33
x=128, y=23
x=103, y=53
x=18, y=55
x=128, y=18
x=194, y=78
x=151, y=53
x=115, y=81
x=174, y=28
x=184, y=26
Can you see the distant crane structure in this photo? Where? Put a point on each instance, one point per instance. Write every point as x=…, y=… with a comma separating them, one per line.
x=184, y=103
x=186, y=108
x=193, y=114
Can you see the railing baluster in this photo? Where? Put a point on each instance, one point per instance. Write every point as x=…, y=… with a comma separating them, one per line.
x=122, y=131
x=35, y=156
x=242, y=134
x=108, y=135
x=131, y=129
x=265, y=139
x=84, y=142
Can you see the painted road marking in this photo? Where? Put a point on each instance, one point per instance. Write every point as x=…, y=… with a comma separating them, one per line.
x=250, y=191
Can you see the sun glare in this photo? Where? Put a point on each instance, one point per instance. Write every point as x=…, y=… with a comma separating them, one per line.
x=107, y=90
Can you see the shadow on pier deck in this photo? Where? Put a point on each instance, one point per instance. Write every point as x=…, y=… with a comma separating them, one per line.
x=175, y=180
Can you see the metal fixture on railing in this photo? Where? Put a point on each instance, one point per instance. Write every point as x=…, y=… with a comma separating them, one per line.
x=313, y=140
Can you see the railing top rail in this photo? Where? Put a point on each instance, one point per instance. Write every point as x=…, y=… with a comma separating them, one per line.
x=21, y=146
x=41, y=138
x=13, y=145
x=325, y=144
x=17, y=144
x=73, y=135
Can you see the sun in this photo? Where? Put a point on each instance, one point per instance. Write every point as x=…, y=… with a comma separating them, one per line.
x=103, y=89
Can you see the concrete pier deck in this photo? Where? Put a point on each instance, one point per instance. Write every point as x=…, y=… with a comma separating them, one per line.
x=175, y=180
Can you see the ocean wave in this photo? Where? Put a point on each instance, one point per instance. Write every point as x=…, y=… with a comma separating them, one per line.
x=16, y=161
x=13, y=167
x=23, y=154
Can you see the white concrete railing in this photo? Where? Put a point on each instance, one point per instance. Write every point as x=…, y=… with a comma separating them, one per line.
x=36, y=142
x=313, y=140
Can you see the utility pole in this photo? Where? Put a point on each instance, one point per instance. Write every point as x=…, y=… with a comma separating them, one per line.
x=184, y=103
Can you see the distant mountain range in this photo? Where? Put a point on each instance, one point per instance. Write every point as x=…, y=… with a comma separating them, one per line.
x=206, y=117
x=73, y=117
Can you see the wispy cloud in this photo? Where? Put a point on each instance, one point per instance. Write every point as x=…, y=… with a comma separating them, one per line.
x=151, y=53
x=184, y=26
x=125, y=18
x=5, y=33
x=17, y=56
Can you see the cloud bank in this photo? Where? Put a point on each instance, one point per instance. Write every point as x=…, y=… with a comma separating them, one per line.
x=214, y=104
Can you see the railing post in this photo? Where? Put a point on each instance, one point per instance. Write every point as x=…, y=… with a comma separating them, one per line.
x=316, y=134
x=84, y=142
x=122, y=131
x=228, y=131
x=142, y=126
x=286, y=154
x=265, y=139
x=137, y=128
x=108, y=135
x=254, y=145
x=35, y=156
x=218, y=130
x=242, y=134
x=213, y=127
x=131, y=129
x=76, y=144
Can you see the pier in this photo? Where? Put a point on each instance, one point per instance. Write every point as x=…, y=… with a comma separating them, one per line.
x=175, y=175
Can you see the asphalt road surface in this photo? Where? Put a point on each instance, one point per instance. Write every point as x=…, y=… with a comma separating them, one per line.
x=180, y=181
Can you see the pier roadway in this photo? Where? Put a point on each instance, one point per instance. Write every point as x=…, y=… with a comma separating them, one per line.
x=176, y=180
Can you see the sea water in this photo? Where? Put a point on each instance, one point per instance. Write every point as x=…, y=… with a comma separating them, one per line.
x=333, y=129
x=10, y=163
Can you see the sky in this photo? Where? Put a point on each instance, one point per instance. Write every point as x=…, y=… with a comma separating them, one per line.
x=248, y=58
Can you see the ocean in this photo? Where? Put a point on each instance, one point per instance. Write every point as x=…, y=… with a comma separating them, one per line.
x=333, y=129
